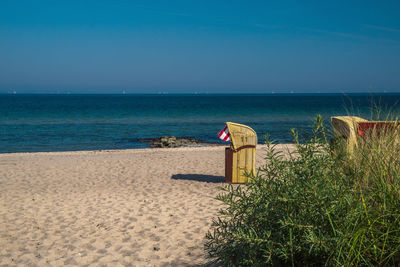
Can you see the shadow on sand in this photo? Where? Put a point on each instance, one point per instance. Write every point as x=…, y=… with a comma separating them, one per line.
x=199, y=177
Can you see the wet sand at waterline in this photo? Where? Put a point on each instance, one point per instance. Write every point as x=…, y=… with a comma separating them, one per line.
x=144, y=207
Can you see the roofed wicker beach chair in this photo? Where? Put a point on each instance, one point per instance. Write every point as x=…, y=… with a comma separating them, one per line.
x=241, y=154
x=352, y=128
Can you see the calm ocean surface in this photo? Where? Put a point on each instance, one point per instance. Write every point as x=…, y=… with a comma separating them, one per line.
x=31, y=123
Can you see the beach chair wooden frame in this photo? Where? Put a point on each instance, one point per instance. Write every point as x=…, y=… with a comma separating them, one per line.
x=240, y=156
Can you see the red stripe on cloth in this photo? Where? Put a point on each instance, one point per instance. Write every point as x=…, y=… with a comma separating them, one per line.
x=221, y=132
x=226, y=138
x=224, y=134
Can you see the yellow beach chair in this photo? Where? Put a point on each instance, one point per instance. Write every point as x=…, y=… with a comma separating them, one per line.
x=240, y=156
x=352, y=128
x=346, y=127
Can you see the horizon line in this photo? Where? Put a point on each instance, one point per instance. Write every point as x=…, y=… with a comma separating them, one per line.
x=203, y=94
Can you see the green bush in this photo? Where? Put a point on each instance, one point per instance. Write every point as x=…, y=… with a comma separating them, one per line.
x=315, y=206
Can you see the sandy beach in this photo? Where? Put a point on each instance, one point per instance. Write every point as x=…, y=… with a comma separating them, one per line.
x=144, y=207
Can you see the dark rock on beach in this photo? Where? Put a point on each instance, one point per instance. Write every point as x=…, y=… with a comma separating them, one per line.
x=172, y=141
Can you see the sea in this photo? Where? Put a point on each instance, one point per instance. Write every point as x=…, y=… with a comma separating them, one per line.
x=39, y=122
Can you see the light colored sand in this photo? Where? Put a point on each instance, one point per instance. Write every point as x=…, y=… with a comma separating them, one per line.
x=148, y=207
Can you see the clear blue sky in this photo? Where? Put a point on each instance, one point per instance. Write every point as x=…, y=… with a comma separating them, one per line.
x=199, y=46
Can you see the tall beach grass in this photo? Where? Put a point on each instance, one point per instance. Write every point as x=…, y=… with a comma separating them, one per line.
x=317, y=206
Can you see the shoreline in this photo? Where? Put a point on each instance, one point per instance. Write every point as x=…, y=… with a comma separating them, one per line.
x=134, y=150
x=127, y=150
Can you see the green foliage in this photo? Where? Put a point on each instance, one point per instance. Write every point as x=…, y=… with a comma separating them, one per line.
x=315, y=207
x=372, y=229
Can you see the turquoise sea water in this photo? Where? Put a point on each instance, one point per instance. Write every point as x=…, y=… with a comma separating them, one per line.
x=31, y=123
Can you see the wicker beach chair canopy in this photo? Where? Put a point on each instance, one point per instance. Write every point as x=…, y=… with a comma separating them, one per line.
x=241, y=136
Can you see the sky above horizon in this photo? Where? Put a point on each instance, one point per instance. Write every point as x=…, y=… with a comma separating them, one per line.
x=199, y=46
